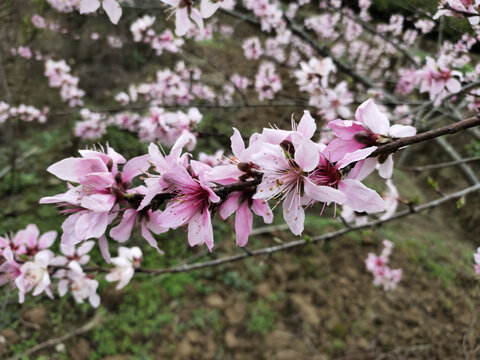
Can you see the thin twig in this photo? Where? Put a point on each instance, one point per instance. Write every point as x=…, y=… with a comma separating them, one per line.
x=83, y=329
x=441, y=165
x=302, y=242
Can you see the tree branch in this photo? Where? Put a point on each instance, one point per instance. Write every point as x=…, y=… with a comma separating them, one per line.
x=294, y=244
x=428, y=135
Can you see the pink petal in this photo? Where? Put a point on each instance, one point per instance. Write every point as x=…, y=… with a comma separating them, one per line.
x=355, y=156
x=150, y=239
x=307, y=126
x=307, y=155
x=338, y=148
x=200, y=230
x=293, y=212
x=103, y=244
x=362, y=169
x=261, y=208
x=372, y=117
x=197, y=18
x=238, y=146
x=91, y=225
x=113, y=10
x=123, y=231
x=208, y=8
x=453, y=85
x=88, y=6
x=47, y=239
x=345, y=129
x=182, y=21
x=243, y=224
x=400, y=131
x=229, y=206
x=385, y=170
x=135, y=167
x=323, y=193
x=73, y=169
x=360, y=198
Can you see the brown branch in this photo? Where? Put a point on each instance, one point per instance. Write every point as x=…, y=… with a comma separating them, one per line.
x=428, y=135
x=51, y=342
x=442, y=165
x=294, y=244
x=389, y=148
x=447, y=6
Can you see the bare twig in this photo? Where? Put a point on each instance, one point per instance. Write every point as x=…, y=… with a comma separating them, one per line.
x=442, y=165
x=51, y=342
x=302, y=242
x=467, y=170
x=428, y=135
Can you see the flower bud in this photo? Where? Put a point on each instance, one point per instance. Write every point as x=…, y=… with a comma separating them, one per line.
x=110, y=165
x=288, y=147
x=366, y=138
x=244, y=166
x=118, y=178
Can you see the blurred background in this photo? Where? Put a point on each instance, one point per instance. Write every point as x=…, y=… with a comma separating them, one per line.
x=317, y=302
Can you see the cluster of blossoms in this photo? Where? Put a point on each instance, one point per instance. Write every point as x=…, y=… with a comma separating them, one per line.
x=92, y=126
x=378, y=266
x=313, y=78
x=27, y=263
x=65, y=6
x=436, y=78
x=161, y=125
x=476, y=257
x=267, y=81
x=460, y=8
x=142, y=31
x=177, y=87
x=58, y=74
x=284, y=166
x=278, y=167
x=23, y=112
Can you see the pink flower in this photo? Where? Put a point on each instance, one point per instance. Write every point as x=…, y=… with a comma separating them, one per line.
x=93, y=203
x=371, y=128
x=476, y=257
x=438, y=80
x=125, y=264
x=241, y=202
x=184, y=11
x=252, y=48
x=34, y=275
x=377, y=265
x=357, y=196
x=9, y=269
x=111, y=7
x=191, y=203
x=209, y=7
x=285, y=179
x=82, y=286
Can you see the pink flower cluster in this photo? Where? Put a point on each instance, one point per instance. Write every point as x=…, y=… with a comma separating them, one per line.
x=456, y=7
x=436, y=78
x=65, y=6
x=286, y=167
x=185, y=13
x=267, y=81
x=142, y=31
x=476, y=257
x=23, y=112
x=161, y=125
x=177, y=87
x=92, y=126
x=58, y=74
x=378, y=266
x=27, y=263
